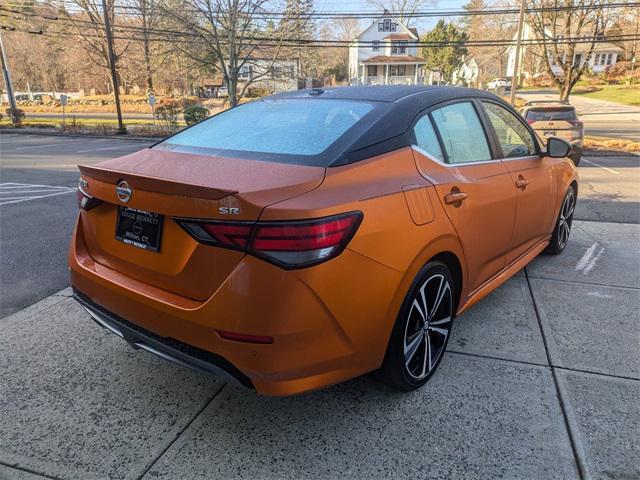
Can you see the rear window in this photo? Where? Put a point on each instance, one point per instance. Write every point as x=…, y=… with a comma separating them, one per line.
x=549, y=114
x=287, y=130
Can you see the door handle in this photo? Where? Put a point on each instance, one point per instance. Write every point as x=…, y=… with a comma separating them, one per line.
x=522, y=183
x=455, y=198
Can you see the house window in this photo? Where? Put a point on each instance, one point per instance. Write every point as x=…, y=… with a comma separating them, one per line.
x=245, y=72
x=577, y=60
x=387, y=25
x=277, y=72
x=399, y=48
x=596, y=61
x=398, y=70
x=375, y=46
x=609, y=58
x=372, y=70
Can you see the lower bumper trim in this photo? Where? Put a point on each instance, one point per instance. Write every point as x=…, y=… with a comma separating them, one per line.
x=167, y=348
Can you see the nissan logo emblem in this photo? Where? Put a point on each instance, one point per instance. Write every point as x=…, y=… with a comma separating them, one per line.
x=123, y=191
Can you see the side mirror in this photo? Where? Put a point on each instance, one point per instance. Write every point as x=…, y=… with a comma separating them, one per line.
x=558, y=148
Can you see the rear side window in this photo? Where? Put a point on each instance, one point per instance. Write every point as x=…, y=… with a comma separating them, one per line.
x=550, y=114
x=427, y=139
x=283, y=127
x=515, y=139
x=462, y=133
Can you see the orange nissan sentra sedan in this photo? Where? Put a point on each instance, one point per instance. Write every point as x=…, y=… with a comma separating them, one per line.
x=310, y=237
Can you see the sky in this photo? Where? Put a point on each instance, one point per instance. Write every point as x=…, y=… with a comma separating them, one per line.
x=423, y=24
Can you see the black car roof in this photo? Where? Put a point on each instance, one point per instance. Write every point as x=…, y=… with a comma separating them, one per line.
x=387, y=93
x=401, y=104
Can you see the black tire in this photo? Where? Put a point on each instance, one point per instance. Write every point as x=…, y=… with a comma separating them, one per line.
x=562, y=230
x=435, y=280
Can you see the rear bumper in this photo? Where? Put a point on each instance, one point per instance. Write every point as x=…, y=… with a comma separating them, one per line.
x=166, y=348
x=327, y=324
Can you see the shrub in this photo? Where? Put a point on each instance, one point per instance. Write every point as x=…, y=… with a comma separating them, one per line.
x=194, y=114
x=257, y=92
x=167, y=115
x=16, y=115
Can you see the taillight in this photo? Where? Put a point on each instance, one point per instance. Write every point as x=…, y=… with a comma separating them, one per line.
x=85, y=201
x=288, y=244
x=530, y=121
x=221, y=234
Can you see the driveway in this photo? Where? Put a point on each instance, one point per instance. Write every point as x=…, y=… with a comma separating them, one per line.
x=601, y=118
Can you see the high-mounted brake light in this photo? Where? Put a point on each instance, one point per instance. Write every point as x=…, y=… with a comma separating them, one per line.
x=288, y=244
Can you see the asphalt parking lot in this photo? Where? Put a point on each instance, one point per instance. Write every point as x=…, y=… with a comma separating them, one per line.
x=541, y=379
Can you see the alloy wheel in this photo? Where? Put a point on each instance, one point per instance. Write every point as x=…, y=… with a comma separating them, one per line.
x=428, y=326
x=566, y=218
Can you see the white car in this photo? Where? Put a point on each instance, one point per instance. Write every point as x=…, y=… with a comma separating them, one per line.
x=497, y=83
x=223, y=92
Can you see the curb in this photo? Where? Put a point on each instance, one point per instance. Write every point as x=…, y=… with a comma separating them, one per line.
x=54, y=133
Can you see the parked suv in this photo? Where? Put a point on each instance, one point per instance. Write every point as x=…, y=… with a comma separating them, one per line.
x=556, y=119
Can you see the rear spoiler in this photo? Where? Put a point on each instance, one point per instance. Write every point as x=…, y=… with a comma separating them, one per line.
x=155, y=184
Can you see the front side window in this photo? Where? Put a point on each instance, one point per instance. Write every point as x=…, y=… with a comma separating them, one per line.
x=427, y=139
x=515, y=139
x=462, y=133
x=287, y=128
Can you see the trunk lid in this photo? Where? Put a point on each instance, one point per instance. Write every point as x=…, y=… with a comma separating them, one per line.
x=183, y=185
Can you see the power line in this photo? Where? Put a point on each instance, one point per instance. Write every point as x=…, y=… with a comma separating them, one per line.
x=166, y=34
x=274, y=42
x=274, y=15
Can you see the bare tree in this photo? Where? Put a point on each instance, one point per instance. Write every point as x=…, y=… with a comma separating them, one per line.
x=85, y=20
x=491, y=60
x=149, y=19
x=561, y=31
x=227, y=31
x=335, y=60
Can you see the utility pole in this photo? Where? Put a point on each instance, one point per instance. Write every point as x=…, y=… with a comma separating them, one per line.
x=7, y=81
x=515, y=79
x=112, y=65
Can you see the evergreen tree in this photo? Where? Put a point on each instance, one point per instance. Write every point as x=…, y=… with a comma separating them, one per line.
x=448, y=58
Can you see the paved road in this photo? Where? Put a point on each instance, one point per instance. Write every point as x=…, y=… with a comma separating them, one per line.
x=38, y=176
x=541, y=379
x=601, y=118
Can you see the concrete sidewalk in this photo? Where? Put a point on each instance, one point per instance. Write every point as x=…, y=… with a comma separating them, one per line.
x=542, y=381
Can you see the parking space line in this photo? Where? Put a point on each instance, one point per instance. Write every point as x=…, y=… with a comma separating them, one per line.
x=52, y=145
x=26, y=199
x=23, y=140
x=610, y=170
x=11, y=185
x=110, y=148
x=11, y=192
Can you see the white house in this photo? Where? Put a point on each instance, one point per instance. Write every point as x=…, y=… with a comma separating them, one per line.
x=604, y=54
x=275, y=76
x=386, y=52
x=467, y=73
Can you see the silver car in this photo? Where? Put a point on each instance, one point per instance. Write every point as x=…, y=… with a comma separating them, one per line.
x=556, y=119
